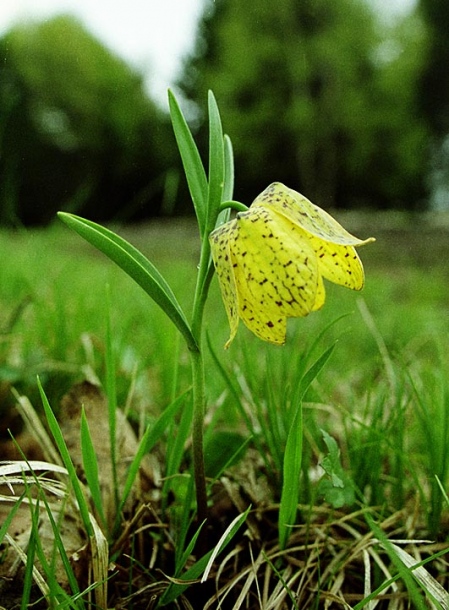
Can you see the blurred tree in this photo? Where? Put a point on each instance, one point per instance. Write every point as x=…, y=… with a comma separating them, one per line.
x=434, y=96
x=77, y=130
x=434, y=83
x=311, y=95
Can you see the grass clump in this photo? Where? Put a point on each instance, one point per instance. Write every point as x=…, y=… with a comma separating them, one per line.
x=325, y=462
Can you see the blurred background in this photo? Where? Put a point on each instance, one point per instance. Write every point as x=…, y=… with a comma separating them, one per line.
x=347, y=102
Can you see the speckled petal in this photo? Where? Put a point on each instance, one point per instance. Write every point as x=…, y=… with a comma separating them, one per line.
x=305, y=214
x=275, y=270
x=220, y=240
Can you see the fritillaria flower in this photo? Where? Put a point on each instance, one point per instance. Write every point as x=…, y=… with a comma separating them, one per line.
x=271, y=260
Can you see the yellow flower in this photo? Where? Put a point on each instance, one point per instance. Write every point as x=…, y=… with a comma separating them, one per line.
x=270, y=261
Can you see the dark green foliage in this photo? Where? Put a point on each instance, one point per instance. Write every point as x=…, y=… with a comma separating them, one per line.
x=434, y=84
x=78, y=131
x=434, y=95
x=318, y=95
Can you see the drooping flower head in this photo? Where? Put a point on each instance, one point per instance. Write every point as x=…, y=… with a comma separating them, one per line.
x=271, y=260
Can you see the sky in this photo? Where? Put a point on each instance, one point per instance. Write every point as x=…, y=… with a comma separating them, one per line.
x=151, y=35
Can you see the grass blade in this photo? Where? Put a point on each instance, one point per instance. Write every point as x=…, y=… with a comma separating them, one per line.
x=428, y=583
x=404, y=572
x=152, y=435
x=314, y=371
x=49, y=570
x=90, y=465
x=134, y=264
x=216, y=163
x=191, y=160
x=291, y=477
x=28, y=576
x=111, y=392
x=188, y=551
x=225, y=538
x=236, y=394
x=10, y=516
x=204, y=564
x=228, y=186
x=67, y=460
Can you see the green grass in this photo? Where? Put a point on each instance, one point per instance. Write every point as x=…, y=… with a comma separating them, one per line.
x=382, y=395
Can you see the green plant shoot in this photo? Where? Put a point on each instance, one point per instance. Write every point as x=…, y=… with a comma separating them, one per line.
x=270, y=261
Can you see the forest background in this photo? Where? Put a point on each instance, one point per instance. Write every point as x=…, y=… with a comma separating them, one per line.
x=324, y=96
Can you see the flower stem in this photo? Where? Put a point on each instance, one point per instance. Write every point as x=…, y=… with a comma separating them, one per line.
x=199, y=392
x=199, y=401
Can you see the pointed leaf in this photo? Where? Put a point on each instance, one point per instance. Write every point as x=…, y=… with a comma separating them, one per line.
x=216, y=162
x=291, y=477
x=66, y=458
x=136, y=265
x=191, y=160
x=90, y=464
x=204, y=564
x=152, y=435
x=228, y=188
x=314, y=371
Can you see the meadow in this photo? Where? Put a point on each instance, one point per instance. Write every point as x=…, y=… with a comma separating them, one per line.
x=372, y=522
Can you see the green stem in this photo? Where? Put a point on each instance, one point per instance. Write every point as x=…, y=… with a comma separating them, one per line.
x=201, y=293
x=199, y=403
x=233, y=205
x=198, y=381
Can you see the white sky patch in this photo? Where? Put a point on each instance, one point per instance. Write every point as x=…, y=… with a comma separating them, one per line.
x=151, y=35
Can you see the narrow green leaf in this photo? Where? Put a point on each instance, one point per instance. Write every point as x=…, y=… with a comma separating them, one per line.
x=184, y=519
x=237, y=399
x=406, y=573
x=191, y=160
x=177, y=441
x=291, y=477
x=226, y=537
x=180, y=432
x=9, y=517
x=134, y=264
x=216, y=163
x=90, y=464
x=30, y=554
x=188, y=551
x=313, y=371
x=222, y=448
x=228, y=187
x=59, y=545
x=152, y=434
x=111, y=392
x=67, y=460
x=173, y=591
x=202, y=565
